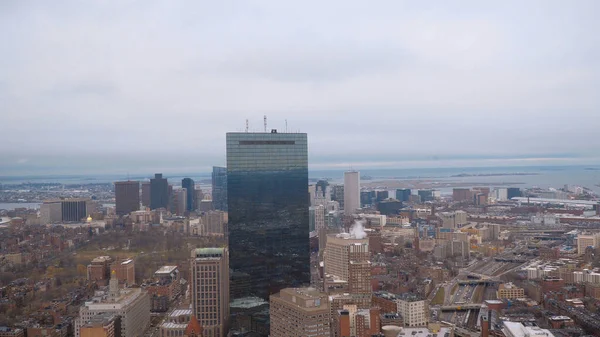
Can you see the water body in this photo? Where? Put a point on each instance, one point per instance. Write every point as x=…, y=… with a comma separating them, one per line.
x=522, y=177
x=12, y=205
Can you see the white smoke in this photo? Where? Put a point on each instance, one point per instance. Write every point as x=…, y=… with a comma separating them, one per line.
x=357, y=231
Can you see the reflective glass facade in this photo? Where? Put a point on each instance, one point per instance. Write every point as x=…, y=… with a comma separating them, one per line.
x=268, y=201
x=219, y=188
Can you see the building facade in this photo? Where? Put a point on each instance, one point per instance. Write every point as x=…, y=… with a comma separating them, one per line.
x=587, y=240
x=131, y=304
x=403, y=194
x=351, y=192
x=414, y=310
x=347, y=264
x=66, y=210
x=509, y=291
x=268, y=201
x=219, y=188
x=299, y=312
x=159, y=192
x=210, y=289
x=127, y=197
x=146, y=194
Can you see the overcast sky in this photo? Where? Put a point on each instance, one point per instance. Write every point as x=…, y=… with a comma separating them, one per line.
x=144, y=86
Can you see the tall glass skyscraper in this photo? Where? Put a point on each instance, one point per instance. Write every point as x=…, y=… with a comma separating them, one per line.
x=268, y=201
x=190, y=186
x=219, y=188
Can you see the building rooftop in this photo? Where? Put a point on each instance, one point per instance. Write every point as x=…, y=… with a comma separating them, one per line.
x=209, y=252
x=101, y=259
x=525, y=329
x=180, y=312
x=423, y=332
x=171, y=325
x=247, y=302
x=166, y=270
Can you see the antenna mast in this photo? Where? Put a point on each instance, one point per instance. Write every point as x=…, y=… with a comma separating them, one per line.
x=246, y=126
x=265, y=118
x=286, y=126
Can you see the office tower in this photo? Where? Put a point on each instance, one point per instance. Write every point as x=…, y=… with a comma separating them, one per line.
x=178, y=201
x=351, y=192
x=337, y=194
x=403, y=194
x=210, y=289
x=190, y=187
x=347, y=262
x=127, y=197
x=389, y=207
x=513, y=192
x=426, y=195
x=462, y=194
x=66, y=210
x=316, y=217
x=146, y=194
x=267, y=196
x=131, y=304
x=219, y=188
x=365, y=199
x=382, y=195
x=299, y=312
x=159, y=192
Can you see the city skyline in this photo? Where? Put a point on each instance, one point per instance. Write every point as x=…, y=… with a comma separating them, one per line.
x=427, y=85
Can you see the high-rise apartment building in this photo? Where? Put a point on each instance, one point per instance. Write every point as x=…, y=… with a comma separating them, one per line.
x=146, y=194
x=99, y=270
x=413, y=309
x=210, y=290
x=300, y=312
x=268, y=201
x=351, y=192
x=127, y=197
x=219, y=188
x=159, y=192
x=124, y=271
x=190, y=187
x=587, y=240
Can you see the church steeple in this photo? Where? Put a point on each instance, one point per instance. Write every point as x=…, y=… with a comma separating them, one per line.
x=194, y=329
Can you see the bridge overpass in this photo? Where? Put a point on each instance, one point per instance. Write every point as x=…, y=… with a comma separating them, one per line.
x=461, y=307
x=480, y=281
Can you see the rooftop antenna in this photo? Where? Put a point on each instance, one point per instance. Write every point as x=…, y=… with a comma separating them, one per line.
x=246, y=126
x=286, y=126
x=265, y=118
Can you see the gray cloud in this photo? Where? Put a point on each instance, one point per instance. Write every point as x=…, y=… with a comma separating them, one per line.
x=386, y=83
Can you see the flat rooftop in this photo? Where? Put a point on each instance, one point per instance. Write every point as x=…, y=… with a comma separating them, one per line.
x=165, y=270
